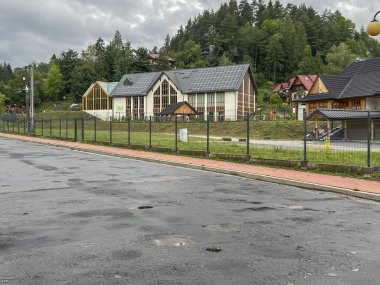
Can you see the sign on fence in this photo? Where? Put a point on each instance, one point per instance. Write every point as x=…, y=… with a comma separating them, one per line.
x=183, y=135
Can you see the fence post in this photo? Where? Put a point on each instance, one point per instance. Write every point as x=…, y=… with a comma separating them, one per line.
x=176, y=134
x=82, y=128
x=150, y=131
x=75, y=129
x=111, y=130
x=129, y=130
x=50, y=131
x=42, y=126
x=18, y=126
x=24, y=126
x=304, y=138
x=60, y=128
x=94, y=129
x=369, y=139
x=208, y=137
x=13, y=126
x=248, y=144
x=67, y=127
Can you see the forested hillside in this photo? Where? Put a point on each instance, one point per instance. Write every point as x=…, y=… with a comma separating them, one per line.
x=279, y=41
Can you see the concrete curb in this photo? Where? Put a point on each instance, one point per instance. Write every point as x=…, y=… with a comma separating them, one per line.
x=260, y=177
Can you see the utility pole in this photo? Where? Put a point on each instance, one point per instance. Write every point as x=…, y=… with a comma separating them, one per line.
x=31, y=130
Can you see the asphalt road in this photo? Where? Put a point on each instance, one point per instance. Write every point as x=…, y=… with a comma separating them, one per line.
x=68, y=217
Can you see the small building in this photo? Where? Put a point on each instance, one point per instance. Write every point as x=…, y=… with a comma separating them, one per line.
x=179, y=108
x=96, y=100
x=353, y=124
x=216, y=93
x=294, y=90
x=157, y=59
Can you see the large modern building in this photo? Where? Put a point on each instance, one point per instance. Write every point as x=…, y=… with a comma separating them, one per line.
x=216, y=93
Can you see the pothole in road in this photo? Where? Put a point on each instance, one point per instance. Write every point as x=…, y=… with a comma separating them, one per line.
x=145, y=207
x=213, y=249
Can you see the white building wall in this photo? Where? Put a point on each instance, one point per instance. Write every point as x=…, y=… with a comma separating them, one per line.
x=230, y=105
x=101, y=114
x=373, y=103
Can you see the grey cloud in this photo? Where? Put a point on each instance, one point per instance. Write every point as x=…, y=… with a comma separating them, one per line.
x=34, y=30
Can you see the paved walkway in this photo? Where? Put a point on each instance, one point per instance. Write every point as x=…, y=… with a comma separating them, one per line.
x=348, y=186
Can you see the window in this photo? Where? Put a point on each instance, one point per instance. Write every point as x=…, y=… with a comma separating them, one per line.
x=191, y=99
x=312, y=107
x=165, y=101
x=220, y=101
x=322, y=105
x=141, y=102
x=210, y=100
x=200, y=100
x=165, y=87
x=356, y=104
x=128, y=105
x=173, y=95
x=135, y=102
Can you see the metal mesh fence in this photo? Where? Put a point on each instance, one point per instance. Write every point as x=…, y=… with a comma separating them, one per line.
x=349, y=142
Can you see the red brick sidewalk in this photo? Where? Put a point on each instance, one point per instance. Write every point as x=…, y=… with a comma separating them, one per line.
x=290, y=177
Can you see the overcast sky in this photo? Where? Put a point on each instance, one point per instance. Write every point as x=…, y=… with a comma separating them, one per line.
x=32, y=30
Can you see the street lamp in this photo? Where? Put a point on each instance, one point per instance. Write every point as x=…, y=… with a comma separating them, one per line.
x=373, y=28
x=30, y=100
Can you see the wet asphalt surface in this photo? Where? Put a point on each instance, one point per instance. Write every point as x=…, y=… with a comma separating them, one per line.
x=68, y=217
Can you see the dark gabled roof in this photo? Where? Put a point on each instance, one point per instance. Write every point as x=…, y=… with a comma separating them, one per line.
x=360, y=79
x=341, y=114
x=174, y=107
x=316, y=97
x=210, y=79
x=360, y=67
x=137, y=84
x=197, y=80
x=335, y=84
x=363, y=84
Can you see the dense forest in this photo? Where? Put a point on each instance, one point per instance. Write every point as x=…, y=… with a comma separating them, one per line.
x=278, y=41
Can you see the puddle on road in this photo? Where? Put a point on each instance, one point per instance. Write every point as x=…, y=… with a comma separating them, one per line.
x=174, y=241
x=221, y=229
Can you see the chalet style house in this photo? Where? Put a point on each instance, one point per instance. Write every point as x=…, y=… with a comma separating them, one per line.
x=296, y=88
x=356, y=88
x=351, y=98
x=216, y=93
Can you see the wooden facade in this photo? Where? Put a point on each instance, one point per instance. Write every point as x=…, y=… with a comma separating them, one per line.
x=346, y=104
x=246, y=96
x=97, y=97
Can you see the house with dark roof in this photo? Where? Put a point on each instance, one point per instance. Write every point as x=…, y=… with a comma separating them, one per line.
x=180, y=108
x=356, y=88
x=216, y=93
x=350, y=98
